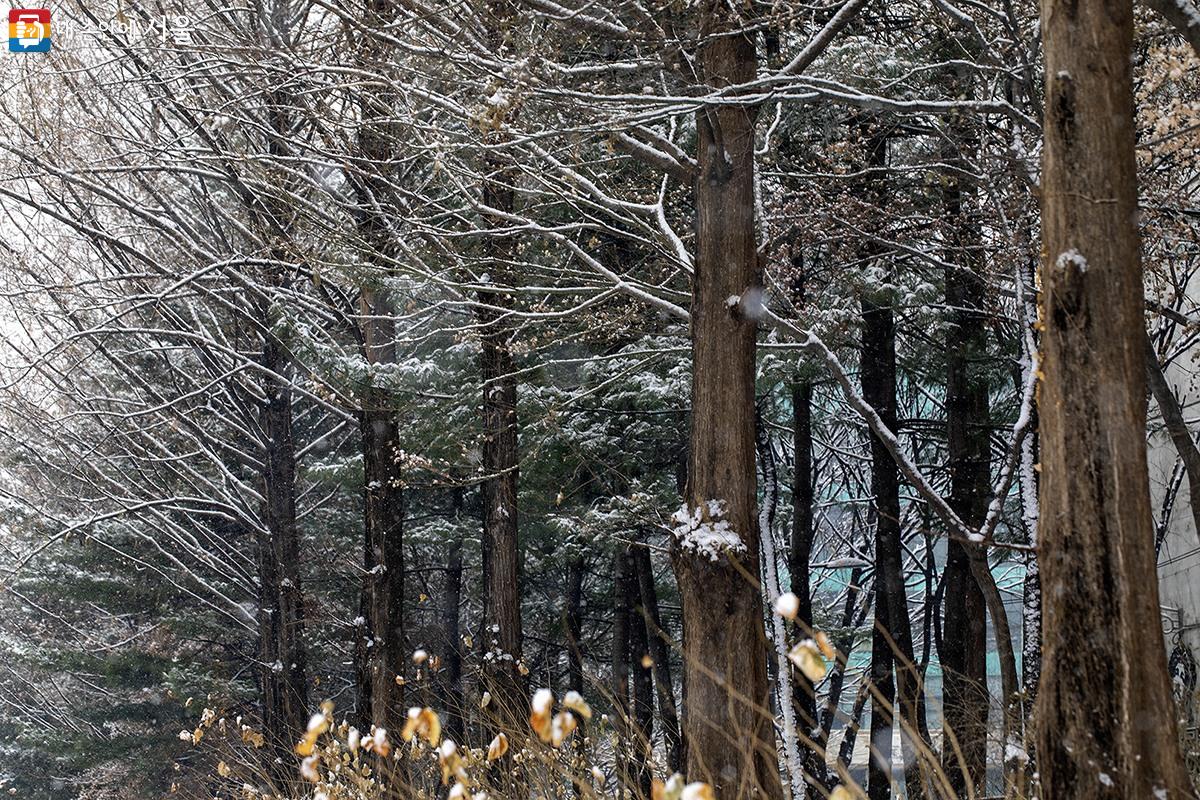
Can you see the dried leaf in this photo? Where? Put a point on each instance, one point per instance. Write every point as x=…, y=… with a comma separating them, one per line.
x=827, y=648
x=539, y=716
x=574, y=701
x=498, y=747
x=423, y=722
x=697, y=791
x=807, y=656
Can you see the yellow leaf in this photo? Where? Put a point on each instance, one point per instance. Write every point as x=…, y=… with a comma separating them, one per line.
x=423, y=722
x=539, y=715
x=223, y=769
x=317, y=724
x=574, y=701
x=498, y=747
x=825, y=645
x=807, y=656
x=561, y=727
x=840, y=793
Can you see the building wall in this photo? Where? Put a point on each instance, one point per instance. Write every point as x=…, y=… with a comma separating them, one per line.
x=1179, y=557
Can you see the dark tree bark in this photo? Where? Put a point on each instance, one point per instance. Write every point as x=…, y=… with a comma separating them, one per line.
x=379, y=655
x=728, y=727
x=451, y=650
x=281, y=604
x=501, y=458
x=963, y=650
x=382, y=656
x=1105, y=717
x=640, y=664
x=660, y=651
x=621, y=672
x=502, y=568
x=883, y=705
x=891, y=604
x=799, y=559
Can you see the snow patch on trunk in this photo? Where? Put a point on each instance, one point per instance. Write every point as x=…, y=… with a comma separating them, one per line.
x=702, y=530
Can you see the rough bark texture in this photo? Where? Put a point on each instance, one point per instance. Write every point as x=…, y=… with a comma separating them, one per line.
x=379, y=655
x=642, y=699
x=502, y=599
x=891, y=615
x=1105, y=721
x=660, y=651
x=963, y=651
x=501, y=555
x=281, y=603
x=620, y=674
x=728, y=727
x=382, y=656
x=799, y=559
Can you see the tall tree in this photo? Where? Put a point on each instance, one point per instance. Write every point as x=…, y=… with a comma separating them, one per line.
x=501, y=458
x=728, y=727
x=799, y=568
x=1105, y=719
x=892, y=622
x=963, y=644
x=380, y=653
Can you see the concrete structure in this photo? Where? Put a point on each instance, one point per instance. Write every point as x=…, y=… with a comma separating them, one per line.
x=1179, y=555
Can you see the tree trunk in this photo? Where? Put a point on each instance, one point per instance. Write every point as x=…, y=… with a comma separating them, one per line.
x=451, y=650
x=1181, y=437
x=281, y=605
x=501, y=554
x=883, y=704
x=1106, y=725
x=728, y=727
x=620, y=673
x=379, y=657
x=640, y=662
x=892, y=620
x=804, y=696
x=383, y=523
x=963, y=651
x=660, y=651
